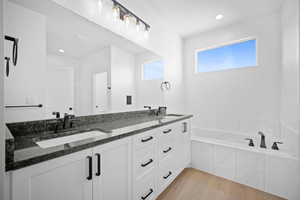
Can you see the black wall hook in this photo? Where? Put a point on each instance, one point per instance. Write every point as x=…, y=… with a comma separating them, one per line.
x=15, y=48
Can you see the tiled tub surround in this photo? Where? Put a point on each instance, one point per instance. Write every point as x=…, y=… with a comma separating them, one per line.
x=228, y=155
x=22, y=150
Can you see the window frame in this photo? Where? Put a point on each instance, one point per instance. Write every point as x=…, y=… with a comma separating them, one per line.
x=151, y=61
x=226, y=44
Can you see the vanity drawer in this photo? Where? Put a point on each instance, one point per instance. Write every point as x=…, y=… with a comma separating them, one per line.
x=146, y=188
x=145, y=161
x=165, y=176
x=166, y=150
x=144, y=140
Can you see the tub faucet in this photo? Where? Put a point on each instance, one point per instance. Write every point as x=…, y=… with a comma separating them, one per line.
x=262, y=140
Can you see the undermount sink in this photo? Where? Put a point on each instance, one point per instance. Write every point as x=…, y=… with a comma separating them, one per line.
x=71, y=138
x=173, y=115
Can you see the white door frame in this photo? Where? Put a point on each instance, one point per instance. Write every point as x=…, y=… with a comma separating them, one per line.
x=2, y=133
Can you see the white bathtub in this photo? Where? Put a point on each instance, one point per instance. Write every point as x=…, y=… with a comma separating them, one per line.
x=228, y=155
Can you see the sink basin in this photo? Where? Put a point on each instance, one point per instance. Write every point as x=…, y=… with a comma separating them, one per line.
x=68, y=139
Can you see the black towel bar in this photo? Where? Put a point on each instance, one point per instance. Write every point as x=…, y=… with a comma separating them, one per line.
x=26, y=106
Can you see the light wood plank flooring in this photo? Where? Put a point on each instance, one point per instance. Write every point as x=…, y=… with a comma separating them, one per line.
x=193, y=184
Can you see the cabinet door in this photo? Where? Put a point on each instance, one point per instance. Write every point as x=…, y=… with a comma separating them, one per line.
x=112, y=180
x=64, y=178
x=183, y=145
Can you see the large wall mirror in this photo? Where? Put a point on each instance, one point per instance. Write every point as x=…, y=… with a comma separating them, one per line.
x=67, y=64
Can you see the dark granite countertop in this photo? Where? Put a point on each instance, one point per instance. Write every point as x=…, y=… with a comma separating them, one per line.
x=23, y=151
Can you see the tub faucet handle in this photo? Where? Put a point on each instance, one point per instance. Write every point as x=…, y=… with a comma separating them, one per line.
x=251, y=144
x=275, y=146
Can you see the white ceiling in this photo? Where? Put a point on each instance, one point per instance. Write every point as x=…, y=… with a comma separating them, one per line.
x=77, y=36
x=187, y=17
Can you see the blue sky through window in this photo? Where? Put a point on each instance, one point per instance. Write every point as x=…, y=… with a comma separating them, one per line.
x=237, y=55
x=153, y=70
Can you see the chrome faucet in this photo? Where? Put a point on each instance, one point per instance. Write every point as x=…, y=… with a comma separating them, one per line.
x=262, y=140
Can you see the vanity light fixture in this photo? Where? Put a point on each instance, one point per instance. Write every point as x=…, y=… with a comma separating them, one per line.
x=219, y=17
x=122, y=13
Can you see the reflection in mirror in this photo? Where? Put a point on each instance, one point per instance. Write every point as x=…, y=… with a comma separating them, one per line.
x=70, y=65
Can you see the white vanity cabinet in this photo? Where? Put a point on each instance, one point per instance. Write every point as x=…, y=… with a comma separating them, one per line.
x=100, y=173
x=139, y=167
x=159, y=156
x=63, y=178
x=112, y=177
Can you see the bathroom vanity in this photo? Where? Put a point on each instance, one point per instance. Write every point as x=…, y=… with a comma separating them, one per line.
x=133, y=156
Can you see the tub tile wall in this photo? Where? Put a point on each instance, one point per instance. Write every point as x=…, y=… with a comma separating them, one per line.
x=224, y=164
x=206, y=153
x=290, y=140
x=250, y=169
x=281, y=177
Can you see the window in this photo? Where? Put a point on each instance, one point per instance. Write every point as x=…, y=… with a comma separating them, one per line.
x=232, y=56
x=153, y=70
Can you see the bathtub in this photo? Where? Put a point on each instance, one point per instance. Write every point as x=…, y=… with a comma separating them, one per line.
x=228, y=155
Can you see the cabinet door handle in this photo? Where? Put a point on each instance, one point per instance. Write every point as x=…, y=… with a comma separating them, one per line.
x=147, y=139
x=147, y=163
x=167, y=150
x=167, y=131
x=184, y=127
x=98, y=173
x=167, y=176
x=90, y=175
x=147, y=195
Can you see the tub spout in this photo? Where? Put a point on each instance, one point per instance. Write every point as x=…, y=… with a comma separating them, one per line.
x=262, y=140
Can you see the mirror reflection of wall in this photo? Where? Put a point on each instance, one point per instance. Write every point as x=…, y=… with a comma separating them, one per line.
x=71, y=65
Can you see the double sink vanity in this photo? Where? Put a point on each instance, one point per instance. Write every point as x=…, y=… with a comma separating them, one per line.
x=130, y=155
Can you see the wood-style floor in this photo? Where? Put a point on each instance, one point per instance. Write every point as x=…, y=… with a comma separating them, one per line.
x=193, y=184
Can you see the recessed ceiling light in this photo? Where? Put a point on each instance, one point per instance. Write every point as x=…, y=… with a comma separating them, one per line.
x=218, y=17
x=61, y=51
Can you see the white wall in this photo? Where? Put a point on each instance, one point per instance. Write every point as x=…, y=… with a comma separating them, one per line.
x=244, y=100
x=123, y=80
x=2, y=133
x=148, y=91
x=21, y=86
x=289, y=113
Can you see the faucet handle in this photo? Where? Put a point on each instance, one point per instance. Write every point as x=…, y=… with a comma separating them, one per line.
x=149, y=107
x=251, y=144
x=275, y=146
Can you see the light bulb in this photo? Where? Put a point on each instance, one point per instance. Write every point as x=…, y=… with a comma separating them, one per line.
x=100, y=5
x=138, y=26
x=220, y=16
x=127, y=20
x=116, y=12
x=146, y=33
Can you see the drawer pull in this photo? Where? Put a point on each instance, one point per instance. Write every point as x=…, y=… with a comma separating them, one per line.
x=98, y=173
x=148, y=139
x=90, y=173
x=167, y=131
x=147, y=195
x=184, y=127
x=147, y=163
x=167, y=150
x=167, y=176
